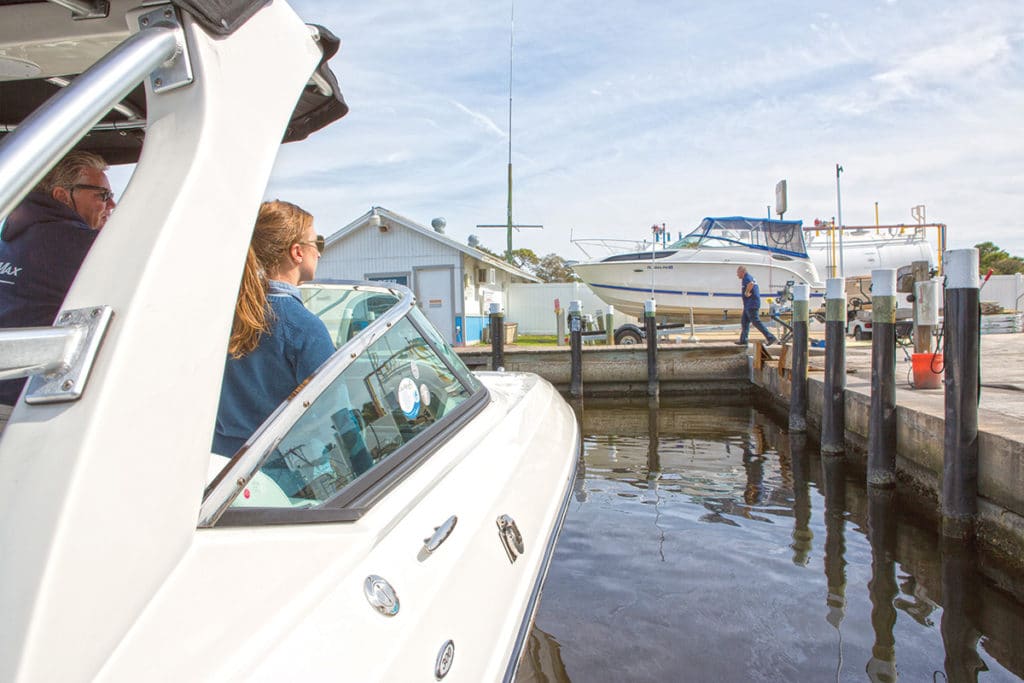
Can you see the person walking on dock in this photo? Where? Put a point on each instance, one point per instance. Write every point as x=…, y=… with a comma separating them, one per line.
x=751, y=307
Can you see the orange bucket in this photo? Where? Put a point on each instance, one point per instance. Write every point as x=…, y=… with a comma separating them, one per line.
x=924, y=377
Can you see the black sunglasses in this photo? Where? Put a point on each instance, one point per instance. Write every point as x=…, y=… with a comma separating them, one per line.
x=105, y=195
x=319, y=243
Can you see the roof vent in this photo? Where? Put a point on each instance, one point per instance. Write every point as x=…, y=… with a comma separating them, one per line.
x=438, y=225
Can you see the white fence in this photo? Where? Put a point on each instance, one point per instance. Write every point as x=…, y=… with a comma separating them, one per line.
x=533, y=305
x=1005, y=290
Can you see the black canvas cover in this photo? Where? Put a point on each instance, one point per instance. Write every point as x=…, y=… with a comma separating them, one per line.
x=313, y=110
x=221, y=17
x=18, y=99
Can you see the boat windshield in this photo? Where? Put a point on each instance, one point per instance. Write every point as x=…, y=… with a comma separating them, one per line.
x=346, y=308
x=783, y=237
x=393, y=382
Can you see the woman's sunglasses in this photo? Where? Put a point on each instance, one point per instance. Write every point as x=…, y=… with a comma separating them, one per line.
x=318, y=243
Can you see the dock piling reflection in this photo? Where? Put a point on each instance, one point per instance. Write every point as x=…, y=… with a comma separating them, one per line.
x=833, y=470
x=882, y=587
x=959, y=599
x=753, y=464
x=802, y=534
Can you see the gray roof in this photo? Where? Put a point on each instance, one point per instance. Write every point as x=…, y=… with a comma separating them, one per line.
x=395, y=218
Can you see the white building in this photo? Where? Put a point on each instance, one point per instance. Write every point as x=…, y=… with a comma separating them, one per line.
x=454, y=283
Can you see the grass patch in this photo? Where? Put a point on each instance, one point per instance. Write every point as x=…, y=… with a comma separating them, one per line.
x=536, y=340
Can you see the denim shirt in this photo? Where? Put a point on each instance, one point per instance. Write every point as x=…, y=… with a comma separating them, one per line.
x=254, y=385
x=754, y=300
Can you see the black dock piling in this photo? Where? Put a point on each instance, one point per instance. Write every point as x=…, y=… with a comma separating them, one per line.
x=833, y=406
x=497, y=337
x=651, y=332
x=961, y=352
x=798, y=377
x=882, y=432
x=575, y=350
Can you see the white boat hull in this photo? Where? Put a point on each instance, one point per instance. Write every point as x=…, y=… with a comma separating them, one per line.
x=690, y=279
x=289, y=601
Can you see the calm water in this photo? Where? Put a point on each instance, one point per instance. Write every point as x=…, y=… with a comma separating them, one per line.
x=704, y=543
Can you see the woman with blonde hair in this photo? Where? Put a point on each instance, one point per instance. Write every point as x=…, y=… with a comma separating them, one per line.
x=275, y=342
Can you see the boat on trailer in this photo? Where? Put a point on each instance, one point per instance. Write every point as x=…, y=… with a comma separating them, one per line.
x=392, y=520
x=697, y=273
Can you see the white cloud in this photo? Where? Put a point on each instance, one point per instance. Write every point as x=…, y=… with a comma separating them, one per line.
x=481, y=119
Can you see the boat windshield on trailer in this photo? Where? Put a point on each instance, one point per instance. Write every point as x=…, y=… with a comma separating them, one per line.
x=779, y=237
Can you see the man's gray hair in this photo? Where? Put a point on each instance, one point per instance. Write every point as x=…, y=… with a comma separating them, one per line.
x=69, y=169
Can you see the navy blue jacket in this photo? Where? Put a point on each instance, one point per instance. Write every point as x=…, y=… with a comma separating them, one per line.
x=42, y=246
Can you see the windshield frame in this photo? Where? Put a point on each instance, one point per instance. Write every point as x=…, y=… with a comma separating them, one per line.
x=704, y=234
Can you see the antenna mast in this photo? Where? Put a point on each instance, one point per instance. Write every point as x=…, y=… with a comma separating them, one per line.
x=511, y=45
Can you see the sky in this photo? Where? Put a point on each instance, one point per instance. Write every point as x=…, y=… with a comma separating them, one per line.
x=628, y=114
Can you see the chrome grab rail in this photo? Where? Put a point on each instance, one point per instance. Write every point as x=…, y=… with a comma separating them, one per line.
x=85, y=9
x=58, y=359
x=237, y=473
x=27, y=153
x=28, y=351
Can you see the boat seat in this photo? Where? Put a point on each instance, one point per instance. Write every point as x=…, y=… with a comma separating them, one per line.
x=261, y=491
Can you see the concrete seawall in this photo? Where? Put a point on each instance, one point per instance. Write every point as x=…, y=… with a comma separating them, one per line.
x=622, y=370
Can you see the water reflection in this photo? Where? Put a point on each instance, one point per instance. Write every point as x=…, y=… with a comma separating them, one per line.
x=833, y=476
x=802, y=534
x=881, y=668
x=753, y=463
x=542, y=660
x=959, y=598
x=689, y=554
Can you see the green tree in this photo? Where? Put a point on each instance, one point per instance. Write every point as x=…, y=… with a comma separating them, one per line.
x=525, y=259
x=1000, y=261
x=550, y=268
x=480, y=247
x=553, y=268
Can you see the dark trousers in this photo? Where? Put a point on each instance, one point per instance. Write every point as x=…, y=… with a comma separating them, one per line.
x=750, y=318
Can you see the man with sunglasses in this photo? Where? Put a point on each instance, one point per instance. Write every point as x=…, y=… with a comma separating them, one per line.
x=43, y=243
